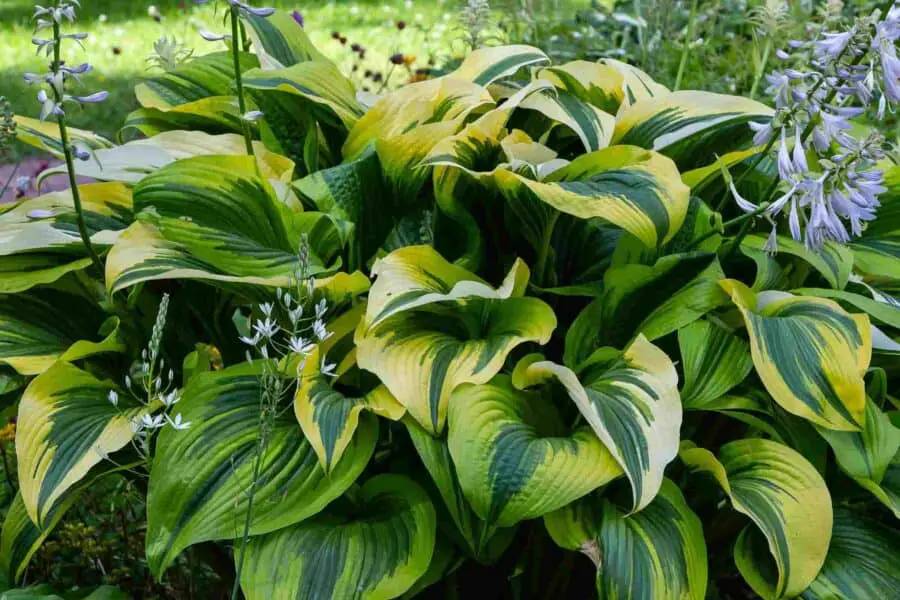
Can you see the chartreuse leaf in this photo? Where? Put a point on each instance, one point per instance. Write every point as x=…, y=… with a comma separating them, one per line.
x=636, y=85
x=863, y=560
x=66, y=425
x=375, y=550
x=201, y=77
x=431, y=326
x=810, y=354
x=866, y=455
x=833, y=261
x=486, y=65
x=881, y=309
x=214, y=115
x=48, y=221
x=416, y=276
x=200, y=478
x=689, y=126
x=41, y=326
x=656, y=554
x=599, y=84
x=279, y=41
x=20, y=272
x=484, y=541
x=630, y=399
x=637, y=190
x=714, y=360
x=515, y=459
x=44, y=135
x=593, y=126
x=329, y=418
x=319, y=82
x=785, y=497
x=210, y=218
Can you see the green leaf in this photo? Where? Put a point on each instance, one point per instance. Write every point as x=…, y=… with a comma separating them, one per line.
x=199, y=78
x=689, y=126
x=810, y=354
x=882, y=311
x=279, y=41
x=21, y=272
x=375, y=550
x=715, y=361
x=834, y=261
x=198, y=495
x=44, y=135
x=593, y=126
x=866, y=455
x=431, y=326
x=630, y=399
x=599, y=84
x=66, y=425
x=863, y=560
x=639, y=191
x=656, y=554
x=515, y=459
x=877, y=257
x=209, y=218
x=41, y=326
x=318, y=82
x=213, y=115
x=329, y=418
x=786, y=499
x=487, y=65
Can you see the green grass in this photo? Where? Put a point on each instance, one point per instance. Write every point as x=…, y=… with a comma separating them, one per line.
x=430, y=34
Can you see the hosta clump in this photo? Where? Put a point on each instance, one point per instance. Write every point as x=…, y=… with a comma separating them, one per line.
x=457, y=337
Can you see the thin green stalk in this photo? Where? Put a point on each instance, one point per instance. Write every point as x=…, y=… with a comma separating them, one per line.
x=70, y=165
x=687, y=46
x=762, y=67
x=11, y=177
x=759, y=158
x=745, y=218
x=257, y=462
x=237, y=43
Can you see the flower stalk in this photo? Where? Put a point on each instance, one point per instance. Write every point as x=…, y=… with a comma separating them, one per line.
x=237, y=42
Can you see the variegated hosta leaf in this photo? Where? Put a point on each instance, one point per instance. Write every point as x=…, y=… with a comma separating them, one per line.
x=639, y=191
x=415, y=276
x=863, y=560
x=201, y=478
x=785, y=497
x=866, y=455
x=636, y=85
x=209, y=218
x=131, y=162
x=882, y=308
x=44, y=135
x=653, y=300
x=834, y=261
x=48, y=222
x=431, y=326
x=375, y=550
x=329, y=418
x=486, y=65
x=714, y=362
x=201, y=77
x=66, y=425
x=21, y=272
x=690, y=127
x=599, y=84
x=319, y=82
x=656, y=554
x=279, y=41
x=630, y=399
x=515, y=459
x=41, y=326
x=593, y=126
x=213, y=115
x=484, y=541
x=810, y=354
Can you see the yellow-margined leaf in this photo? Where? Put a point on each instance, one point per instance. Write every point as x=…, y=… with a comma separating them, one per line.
x=810, y=354
x=486, y=65
x=200, y=78
x=637, y=190
x=656, y=554
x=636, y=85
x=375, y=550
x=715, y=361
x=593, y=126
x=44, y=135
x=66, y=425
x=788, y=501
x=279, y=41
x=599, y=84
x=515, y=459
x=630, y=399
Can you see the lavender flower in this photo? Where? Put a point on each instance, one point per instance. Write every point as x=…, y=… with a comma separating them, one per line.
x=298, y=17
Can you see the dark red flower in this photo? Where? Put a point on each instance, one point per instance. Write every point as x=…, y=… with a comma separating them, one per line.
x=116, y=50
x=355, y=47
x=343, y=40
x=397, y=59
x=401, y=25
x=335, y=35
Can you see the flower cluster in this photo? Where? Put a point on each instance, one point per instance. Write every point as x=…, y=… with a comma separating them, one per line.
x=169, y=54
x=826, y=175
x=476, y=19
x=55, y=80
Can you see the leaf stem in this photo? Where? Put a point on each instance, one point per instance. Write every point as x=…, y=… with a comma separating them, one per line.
x=70, y=166
x=237, y=41
x=745, y=218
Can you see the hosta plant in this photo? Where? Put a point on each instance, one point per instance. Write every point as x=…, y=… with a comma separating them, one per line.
x=450, y=339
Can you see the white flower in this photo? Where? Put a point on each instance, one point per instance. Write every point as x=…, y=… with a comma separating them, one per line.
x=40, y=213
x=253, y=116
x=299, y=345
x=321, y=308
x=150, y=422
x=171, y=399
x=113, y=398
x=327, y=368
x=295, y=314
x=320, y=331
x=266, y=329
x=251, y=341
x=266, y=308
x=177, y=424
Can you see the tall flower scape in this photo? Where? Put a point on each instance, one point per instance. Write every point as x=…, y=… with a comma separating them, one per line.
x=449, y=338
